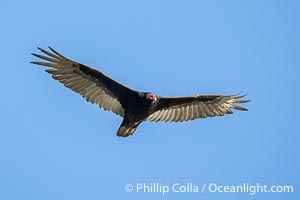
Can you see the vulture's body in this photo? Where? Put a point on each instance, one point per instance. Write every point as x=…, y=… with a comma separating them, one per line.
x=135, y=107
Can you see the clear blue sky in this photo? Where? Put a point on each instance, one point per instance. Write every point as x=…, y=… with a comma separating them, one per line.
x=55, y=145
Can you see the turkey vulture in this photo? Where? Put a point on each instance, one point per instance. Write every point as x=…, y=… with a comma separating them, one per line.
x=134, y=106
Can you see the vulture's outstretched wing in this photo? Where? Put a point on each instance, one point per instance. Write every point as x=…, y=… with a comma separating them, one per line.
x=91, y=84
x=178, y=109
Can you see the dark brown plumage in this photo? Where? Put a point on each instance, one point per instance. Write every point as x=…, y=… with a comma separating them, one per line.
x=134, y=106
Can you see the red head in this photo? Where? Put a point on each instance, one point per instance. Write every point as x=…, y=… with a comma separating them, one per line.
x=151, y=97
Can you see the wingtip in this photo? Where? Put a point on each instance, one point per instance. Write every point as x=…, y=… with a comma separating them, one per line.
x=243, y=109
x=34, y=54
x=33, y=62
x=51, y=48
x=238, y=99
x=43, y=50
x=240, y=108
x=239, y=95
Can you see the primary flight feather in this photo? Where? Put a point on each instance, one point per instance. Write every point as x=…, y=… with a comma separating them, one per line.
x=134, y=106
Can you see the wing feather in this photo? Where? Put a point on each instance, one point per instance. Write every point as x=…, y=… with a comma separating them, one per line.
x=91, y=84
x=178, y=109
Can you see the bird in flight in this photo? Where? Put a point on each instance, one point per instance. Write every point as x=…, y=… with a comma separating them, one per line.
x=134, y=106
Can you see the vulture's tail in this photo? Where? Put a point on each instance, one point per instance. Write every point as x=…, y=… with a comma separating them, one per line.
x=125, y=129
